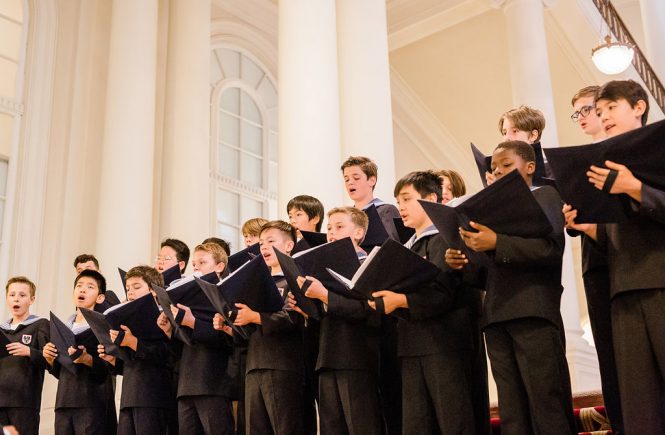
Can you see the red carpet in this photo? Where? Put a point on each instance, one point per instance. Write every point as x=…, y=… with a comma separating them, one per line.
x=590, y=421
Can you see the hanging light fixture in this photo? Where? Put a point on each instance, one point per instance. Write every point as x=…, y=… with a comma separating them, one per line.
x=612, y=57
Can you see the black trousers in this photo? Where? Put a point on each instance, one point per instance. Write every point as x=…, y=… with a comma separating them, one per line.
x=81, y=421
x=349, y=403
x=597, y=289
x=390, y=377
x=141, y=420
x=273, y=402
x=638, y=325
x=25, y=420
x=531, y=372
x=209, y=415
x=436, y=394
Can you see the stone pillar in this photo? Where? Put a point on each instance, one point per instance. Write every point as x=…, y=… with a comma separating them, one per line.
x=364, y=87
x=185, y=188
x=309, y=141
x=653, y=17
x=126, y=181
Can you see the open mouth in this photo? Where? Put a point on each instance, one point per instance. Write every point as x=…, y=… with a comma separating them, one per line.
x=609, y=127
x=16, y=307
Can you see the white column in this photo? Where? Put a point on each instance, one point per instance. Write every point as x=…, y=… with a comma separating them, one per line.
x=125, y=197
x=309, y=143
x=529, y=64
x=653, y=17
x=364, y=87
x=532, y=85
x=185, y=189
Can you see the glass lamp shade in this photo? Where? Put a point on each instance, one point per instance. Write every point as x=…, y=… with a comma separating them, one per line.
x=612, y=57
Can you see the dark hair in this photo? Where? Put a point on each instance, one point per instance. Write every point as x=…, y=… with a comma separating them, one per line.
x=457, y=186
x=628, y=90
x=521, y=148
x=221, y=242
x=424, y=182
x=369, y=168
x=101, y=281
x=147, y=274
x=21, y=280
x=525, y=118
x=589, y=91
x=282, y=226
x=84, y=258
x=181, y=250
x=310, y=205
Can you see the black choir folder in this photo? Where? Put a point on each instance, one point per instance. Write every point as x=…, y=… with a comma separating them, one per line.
x=4, y=341
x=291, y=273
x=388, y=267
x=376, y=230
x=241, y=257
x=251, y=285
x=404, y=233
x=139, y=315
x=484, y=164
x=309, y=240
x=507, y=206
x=641, y=150
x=63, y=338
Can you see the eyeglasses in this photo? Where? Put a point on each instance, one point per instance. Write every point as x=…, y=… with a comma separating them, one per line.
x=583, y=112
x=160, y=258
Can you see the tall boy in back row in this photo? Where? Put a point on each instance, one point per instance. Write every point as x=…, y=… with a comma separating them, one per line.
x=360, y=177
x=636, y=260
x=521, y=314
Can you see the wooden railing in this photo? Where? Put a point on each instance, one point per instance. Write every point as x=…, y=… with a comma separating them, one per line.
x=642, y=66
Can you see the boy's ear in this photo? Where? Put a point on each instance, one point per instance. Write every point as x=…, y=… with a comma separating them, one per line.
x=315, y=219
x=100, y=298
x=181, y=265
x=640, y=107
x=533, y=136
x=32, y=300
x=530, y=168
x=220, y=267
x=289, y=246
x=372, y=181
x=430, y=197
x=358, y=234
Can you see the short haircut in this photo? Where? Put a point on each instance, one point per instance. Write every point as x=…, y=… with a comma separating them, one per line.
x=221, y=242
x=214, y=249
x=358, y=217
x=628, y=90
x=588, y=91
x=457, y=185
x=525, y=118
x=365, y=163
x=521, y=148
x=310, y=205
x=84, y=258
x=285, y=227
x=147, y=274
x=101, y=281
x=424, y=182
x=21, y=280
x=181, y=250
x=253, y=226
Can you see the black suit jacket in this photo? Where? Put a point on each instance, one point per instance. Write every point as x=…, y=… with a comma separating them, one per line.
x=440, y=317
x=636, y=249
x=22, y=378
x=524, y=278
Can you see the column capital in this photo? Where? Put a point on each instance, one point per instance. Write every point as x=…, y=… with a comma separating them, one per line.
x=498, y=4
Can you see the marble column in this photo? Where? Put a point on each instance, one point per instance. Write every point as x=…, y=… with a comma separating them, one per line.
x=653, y=17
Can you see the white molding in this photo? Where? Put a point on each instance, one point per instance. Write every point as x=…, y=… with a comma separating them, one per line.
x=435, y=22
x=242, y=187
x=260, y=14
x=11, y=107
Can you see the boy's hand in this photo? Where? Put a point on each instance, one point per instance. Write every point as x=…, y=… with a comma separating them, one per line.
x=219, y=324
x=85, y=358
x=292, y=304
x=164, y=324
x=483, y=240
x=103, y=355
x=391, y=300
x=570, y=214
x=18, y=349
x=188, y=320
x=625, y=181
x=50, y=353
x=455, y=259
x=9, y=430
x=129, y=340
x=246, y=316
x=316, y=290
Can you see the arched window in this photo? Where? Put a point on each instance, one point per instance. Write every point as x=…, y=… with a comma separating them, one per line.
x=244, y=140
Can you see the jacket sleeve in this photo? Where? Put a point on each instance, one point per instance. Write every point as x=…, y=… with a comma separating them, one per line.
x=280, y=321
x=348, y=308
x=653, y=203
x=36, y=357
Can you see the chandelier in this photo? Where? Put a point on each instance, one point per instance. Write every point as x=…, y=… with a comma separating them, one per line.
x=612, y=57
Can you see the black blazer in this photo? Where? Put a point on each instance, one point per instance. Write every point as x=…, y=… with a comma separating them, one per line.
x=524, y=278
x=387, y=212
x=22, y=378
x=636, y=249
x=440, y=317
